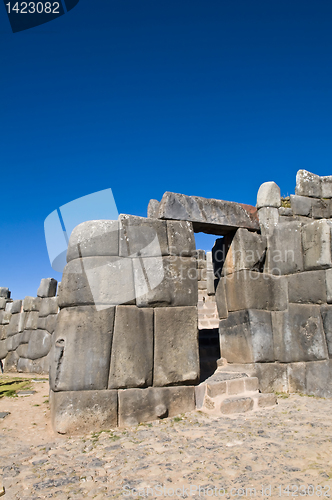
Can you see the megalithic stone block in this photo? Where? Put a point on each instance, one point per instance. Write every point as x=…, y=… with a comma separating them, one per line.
x=142, y=237
x=103, y=281
x=296, y=373
x=284, y=254
x=328, y=279
x=326, y=312
x=144, y=405
x=246, y=337
x=39, y=344
x=22, y=350
x=47, y=288
x=268, y=220
x=269, y=195
x=181, y=238
x=208, y=215
x=94, y=238
x=319, y=378
x=221, y=300
x=298, y=334
x=83, y=411
x=316, y=241
x=4, y=292
x=5, y=317
x=301, y=205
x=32, y=320
x=2, y=303
x=246, y=251
x=307, y=288
x=32, y=303
x=163, y=281
x=3, y=349
x=13, y=342
x=50, y=323
x=132, y=348
x=81, y=349
x=321, y=209
x=10, y=363
x=308, y=184
x=16, y=307
x=3, y=332
x=153, y=208
x=176, y=357
x=16, y=324
x=253, y=290
x=48, y=306
x=326, y=183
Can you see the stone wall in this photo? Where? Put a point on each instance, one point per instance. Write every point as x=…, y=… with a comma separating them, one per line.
x=274, y=295
x=26, y=328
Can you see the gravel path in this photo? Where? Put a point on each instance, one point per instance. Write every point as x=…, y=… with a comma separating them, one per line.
x=224, y=457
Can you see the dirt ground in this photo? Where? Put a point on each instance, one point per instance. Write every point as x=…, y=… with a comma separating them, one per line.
x=280, y=452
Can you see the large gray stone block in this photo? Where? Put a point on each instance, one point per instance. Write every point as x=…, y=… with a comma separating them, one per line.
x=94, y=238
x=221, y=300
x=31, y=320
x=246, y=251
x=10, y=363
x=25, y=365
x=272, y=377
x=316, y=241
x=319, y=378
x=4, y=292
x=16, y=307
x=252, y=290
x=50, y=323
x=153, y=209
x=298, y=334
x=2, y=303
x=5, y=317
x=246, y=337
x=16, y=324
x=47, y=288
x=143, y=405
x=3, y=332
x=181, y=238
x=39, y=344
x=132, y=348
x=26, y=334
x=321, y=209
x=326, y=183
x=103, y=281
x=81, y=412
x=208, y=215
x=81, y=350
x=165, y=281
x=326, y=312
x=284, y=255
x=308, y=184
x=268, y=220
x=141, y=237
x=328, y=279
x=307, y=288
x=13, y=341
x=269, y=195
x=3, y=349
x=22, y=350
x=176, y=357
x=296, y=373
x=48, y=306
x=32, y=303
x=9, y=305
x=301, y=205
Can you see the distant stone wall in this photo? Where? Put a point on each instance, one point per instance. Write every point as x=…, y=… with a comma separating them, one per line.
x=26, y=328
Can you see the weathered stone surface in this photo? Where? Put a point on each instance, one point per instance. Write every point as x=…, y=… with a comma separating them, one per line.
x=48, y=306
x=25, y=365
x=41, y=323
x=221, y=300
x=153, y=403
x=3, y=332
x=80, y=355
x=284, y=255
x=4, y=292
x=316, y=240
x=308, y=287
x=26, y=334
x=3, y=349
x=296, y=373
x=94, y=238
x=321, y=209
x=272, y=377
x=253, y=290
x=319, y=378
x=31, y=320
x=268, y=219
x=285, y=212
x=326, y=183
x=47, y=288
x=13, y=341
x=246, y=250
x=132, y=348
x=328, y=280
x=103, y=281
x=298, y=334
x=301, y=205
x=32, y=303
x=266, y=400
x=16, y=324
x=2, y=303
x=208, y=215
x=51, y=323
x=83, y=411
x=5, y=317
x=16, y=306
x=9, y=305
x=176, y=357
x=246, y=337
x=181, y=238
x=269, y=195
x=164, y=281
x=308, y=184
x=153, y=209
x=141, y=237
x=39, y=344
x=10, y=362
x=22, y=350
x=236, y=405
x=326, y=312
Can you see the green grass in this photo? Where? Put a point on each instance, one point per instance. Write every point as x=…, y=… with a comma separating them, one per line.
x=9, y=386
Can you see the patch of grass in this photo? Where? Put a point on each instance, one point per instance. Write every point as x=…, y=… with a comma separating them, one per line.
x=177, y=419
x=46, y=401
x=9, y=386
x=282, y=395
x=285, y=202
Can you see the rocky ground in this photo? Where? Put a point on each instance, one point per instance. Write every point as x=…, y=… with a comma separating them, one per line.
x=283, y=450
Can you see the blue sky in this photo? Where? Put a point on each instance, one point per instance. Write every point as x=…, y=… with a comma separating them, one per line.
x=208, y=97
